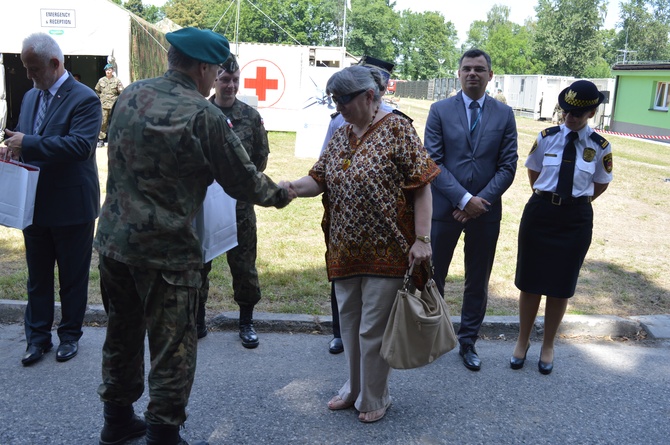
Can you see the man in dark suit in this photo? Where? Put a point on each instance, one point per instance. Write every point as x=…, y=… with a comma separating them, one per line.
x=472, y=138
x=58, y=127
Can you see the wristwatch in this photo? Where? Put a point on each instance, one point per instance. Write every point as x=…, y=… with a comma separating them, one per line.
x=424, y=238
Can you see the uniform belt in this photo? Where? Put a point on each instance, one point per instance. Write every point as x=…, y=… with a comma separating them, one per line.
x=557, y=200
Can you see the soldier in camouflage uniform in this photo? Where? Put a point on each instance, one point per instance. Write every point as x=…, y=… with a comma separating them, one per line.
x=247, y=124
x=167, y=144
x=108, y=89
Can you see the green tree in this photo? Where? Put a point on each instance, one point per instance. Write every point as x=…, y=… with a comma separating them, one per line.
x=187, y=12
x=372, y=29
x=644, y=30
x=566, y=37
x=424, y=40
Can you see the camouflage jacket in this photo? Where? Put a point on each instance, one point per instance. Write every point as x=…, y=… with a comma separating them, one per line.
x=167, y=143
x=108, y=90
x=247, y=124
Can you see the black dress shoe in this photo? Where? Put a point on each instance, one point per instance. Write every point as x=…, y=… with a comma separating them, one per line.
x=248, y=336
x=201, y=330
x=517, y=363
x=67, y=350
x=34, y=353
x=470, y=358
x=544, y=368
x=336, y=346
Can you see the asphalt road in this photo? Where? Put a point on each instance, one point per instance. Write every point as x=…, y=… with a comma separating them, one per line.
x=601, y=392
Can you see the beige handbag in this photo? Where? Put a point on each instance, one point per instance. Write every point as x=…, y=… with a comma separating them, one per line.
x=419, y=329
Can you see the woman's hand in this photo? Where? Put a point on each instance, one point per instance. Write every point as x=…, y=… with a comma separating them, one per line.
x=420, y=252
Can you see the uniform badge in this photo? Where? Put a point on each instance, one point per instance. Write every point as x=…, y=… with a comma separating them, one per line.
x=533, y=148
x=589, y=154
x=607, y=162
x=230, y=124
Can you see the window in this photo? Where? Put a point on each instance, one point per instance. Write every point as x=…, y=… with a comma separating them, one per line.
x=662, y=96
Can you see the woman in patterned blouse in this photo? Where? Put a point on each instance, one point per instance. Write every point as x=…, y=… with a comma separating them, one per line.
x=374, y=176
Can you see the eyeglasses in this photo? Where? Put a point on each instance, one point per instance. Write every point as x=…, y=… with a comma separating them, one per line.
x=577, y=114
x=346, y=98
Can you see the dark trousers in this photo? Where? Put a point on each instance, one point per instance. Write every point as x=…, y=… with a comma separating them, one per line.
x=335, y=311
x=481, y=238
x=69, y=247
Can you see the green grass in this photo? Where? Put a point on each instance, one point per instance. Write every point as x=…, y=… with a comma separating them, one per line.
x=625, y=272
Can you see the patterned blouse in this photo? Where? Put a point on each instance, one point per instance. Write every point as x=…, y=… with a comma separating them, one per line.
x=369, y=212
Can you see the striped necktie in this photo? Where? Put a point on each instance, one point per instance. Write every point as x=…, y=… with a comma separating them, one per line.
x=42, y=110
x=475, y=113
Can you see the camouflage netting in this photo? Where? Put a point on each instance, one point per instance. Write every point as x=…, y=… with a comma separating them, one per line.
x=148, y=50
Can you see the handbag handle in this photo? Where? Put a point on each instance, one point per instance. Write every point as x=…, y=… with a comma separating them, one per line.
x=408, y=274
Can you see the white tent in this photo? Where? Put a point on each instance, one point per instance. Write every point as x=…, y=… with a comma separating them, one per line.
x=90, y=32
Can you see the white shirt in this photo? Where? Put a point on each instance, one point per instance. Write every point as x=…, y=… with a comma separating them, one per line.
x=593, y=163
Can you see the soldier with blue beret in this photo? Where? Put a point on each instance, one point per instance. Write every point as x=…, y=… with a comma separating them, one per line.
x=167, y=143
x=569, y=166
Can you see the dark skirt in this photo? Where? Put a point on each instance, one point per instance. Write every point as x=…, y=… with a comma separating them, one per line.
x=553, y=241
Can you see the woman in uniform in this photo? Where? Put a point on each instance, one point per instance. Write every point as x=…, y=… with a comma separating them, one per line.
x=568, y=167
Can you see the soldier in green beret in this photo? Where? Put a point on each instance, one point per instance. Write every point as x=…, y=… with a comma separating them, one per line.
x=108, y=89
x=167, y=143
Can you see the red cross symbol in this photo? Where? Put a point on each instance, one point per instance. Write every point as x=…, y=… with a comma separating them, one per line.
x=261, y=83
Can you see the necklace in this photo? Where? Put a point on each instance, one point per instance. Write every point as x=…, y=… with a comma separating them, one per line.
x=347, y=162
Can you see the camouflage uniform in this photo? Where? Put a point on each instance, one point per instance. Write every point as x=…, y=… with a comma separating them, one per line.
x=108, y=90
x=247, y=124
x=500, y=97
x=168, y=143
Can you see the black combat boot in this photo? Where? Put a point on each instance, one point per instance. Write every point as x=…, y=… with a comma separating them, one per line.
x=121, y=425
x=247, y=331
x=167, y=435
x=201, y=326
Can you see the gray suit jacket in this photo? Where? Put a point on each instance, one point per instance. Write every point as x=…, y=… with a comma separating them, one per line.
x=485, y=167
x=68, y=190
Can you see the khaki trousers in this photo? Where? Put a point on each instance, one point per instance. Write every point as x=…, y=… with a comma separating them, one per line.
x=364, y=306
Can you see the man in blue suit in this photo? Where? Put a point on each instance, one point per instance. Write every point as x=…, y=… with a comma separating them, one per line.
x=472, y=138
x=58, y=128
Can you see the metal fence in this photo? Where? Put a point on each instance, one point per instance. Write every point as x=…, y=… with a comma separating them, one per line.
x=433, y=89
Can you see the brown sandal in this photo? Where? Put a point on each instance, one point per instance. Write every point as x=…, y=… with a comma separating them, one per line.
x=336, y=403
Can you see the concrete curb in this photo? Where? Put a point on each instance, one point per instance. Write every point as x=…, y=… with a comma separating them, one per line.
x=655, y=326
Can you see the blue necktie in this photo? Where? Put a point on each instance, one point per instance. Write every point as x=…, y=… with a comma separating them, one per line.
x=42, y=110
x=567, y=171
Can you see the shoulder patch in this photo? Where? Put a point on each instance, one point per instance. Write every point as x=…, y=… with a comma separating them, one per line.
x=334, y=115
x=401, y=114
x=598, y=139
x=549, y=131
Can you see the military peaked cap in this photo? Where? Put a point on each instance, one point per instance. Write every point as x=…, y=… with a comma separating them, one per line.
x=581, y=95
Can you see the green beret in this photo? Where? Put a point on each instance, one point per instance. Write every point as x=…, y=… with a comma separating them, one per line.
x=200, y=44
x=109, y=66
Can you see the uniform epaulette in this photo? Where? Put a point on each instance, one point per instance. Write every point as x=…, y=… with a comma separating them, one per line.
x=599, y=139
x=551, y=130
x=334, y=115
x=401, y=114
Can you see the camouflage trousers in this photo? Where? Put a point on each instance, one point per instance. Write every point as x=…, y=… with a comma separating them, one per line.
x=105, y=123
x=161, y=305
x=241, y=260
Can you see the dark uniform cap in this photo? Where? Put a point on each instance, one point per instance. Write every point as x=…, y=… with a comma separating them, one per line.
x=581, y=95
x=385, y=67
x=200, y=44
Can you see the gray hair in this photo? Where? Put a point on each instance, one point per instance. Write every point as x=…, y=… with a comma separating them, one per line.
x=44, y=47
x=356, y=78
